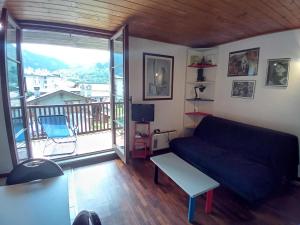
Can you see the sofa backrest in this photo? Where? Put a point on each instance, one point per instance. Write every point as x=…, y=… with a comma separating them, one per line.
x=256, y=143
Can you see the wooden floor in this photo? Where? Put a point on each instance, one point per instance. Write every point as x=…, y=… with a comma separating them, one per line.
x=126, y=195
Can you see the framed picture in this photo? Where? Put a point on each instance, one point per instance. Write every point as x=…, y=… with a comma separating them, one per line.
x=243, y=63
x=157, y=76
x=243, y=88
x=278, y=72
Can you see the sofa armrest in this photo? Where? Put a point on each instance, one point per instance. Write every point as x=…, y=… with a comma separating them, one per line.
x=284, y=162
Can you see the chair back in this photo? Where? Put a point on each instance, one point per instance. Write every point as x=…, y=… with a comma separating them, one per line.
x=87, y=218
x=33, y=169
x=55, y=126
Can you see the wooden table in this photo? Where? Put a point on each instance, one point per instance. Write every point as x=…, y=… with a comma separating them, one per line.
x=44, y=202
x=190, y=179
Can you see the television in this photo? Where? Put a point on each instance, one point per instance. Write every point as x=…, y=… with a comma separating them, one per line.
x=142, y=112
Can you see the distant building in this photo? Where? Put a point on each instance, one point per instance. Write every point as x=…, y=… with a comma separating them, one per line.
x=60, y=97
x=99, y=92
x=43, y=81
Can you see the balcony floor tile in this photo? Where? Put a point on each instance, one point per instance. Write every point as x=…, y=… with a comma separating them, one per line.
x=86, y=143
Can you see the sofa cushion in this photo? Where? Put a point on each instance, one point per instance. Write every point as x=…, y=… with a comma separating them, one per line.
x=196, y=151
x=252, y=180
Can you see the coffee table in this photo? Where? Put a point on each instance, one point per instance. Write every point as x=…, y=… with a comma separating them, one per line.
x=190, y=179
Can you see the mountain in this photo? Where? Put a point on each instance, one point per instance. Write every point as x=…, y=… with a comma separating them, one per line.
x=37, y=61
x=96, y=74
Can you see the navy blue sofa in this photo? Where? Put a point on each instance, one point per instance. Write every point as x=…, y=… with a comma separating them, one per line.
x=251, y=161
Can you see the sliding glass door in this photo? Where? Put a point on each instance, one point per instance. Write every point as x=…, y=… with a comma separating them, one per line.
x=119, y=92
x=13, y=89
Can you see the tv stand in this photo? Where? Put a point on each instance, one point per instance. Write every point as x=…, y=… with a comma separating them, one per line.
x=141, y=141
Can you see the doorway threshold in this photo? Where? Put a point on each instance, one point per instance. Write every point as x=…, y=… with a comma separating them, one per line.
x=87, y=159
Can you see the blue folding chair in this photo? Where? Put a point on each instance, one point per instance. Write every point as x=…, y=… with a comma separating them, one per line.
x=58, y=131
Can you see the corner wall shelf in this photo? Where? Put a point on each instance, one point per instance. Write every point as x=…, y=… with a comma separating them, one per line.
x=200, y=99
x=201, y=82
x=200, y=86
x=202, y=66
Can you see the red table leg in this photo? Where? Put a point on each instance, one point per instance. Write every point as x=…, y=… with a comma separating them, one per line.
x=209, y=201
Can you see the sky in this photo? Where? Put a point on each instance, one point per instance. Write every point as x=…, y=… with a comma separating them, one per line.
x=69, y=55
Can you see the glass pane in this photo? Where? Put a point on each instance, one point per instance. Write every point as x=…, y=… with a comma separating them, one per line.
x=118, y=69
x=119, y=113
x=11, y=42
x=13, y=85
x=120, y=133
x=119, y=73
x=119, y=124
x=19, y=132
x=118, y=55
x=119, y=90
x=17, y=122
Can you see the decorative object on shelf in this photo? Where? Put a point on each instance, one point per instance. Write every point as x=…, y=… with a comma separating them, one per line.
x=194, y=59
x=278, y=72
x=243, y=88
x=200, y=76
x=157, y=76
x=210, y=59
x=203, y=62
x=199, y=89
x=243, y=63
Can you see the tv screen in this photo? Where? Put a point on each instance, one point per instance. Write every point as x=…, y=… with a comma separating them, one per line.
x=142, y=112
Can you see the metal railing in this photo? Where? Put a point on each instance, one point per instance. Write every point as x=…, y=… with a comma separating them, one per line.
x=88, y=117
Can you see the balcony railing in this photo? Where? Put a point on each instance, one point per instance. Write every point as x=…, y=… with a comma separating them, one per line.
x=88, y=117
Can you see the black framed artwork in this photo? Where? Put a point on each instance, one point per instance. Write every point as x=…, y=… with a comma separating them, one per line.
x=278, y=72
x=158, y=75
x=243, y=63
x=243, y=89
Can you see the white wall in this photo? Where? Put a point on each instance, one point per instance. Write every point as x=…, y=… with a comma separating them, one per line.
x=275, y=108
x=168, y=113
x=5, y=158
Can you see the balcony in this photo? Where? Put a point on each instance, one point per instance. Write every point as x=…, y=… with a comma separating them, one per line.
x=93, y=122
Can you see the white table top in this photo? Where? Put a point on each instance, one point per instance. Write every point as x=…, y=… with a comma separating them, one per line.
x=190, y=179
x=44, y=202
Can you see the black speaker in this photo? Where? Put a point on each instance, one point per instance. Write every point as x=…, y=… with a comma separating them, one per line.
x=200, y=76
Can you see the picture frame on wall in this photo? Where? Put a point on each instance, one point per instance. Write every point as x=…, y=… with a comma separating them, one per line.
x=278, y=72
x=243, y=62
x=243, y=89
x=158, y=75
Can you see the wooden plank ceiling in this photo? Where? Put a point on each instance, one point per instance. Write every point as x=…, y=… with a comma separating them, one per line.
x=196, y=23
x=58, y=38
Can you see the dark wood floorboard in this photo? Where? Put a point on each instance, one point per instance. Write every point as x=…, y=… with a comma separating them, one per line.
x=126, y=195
